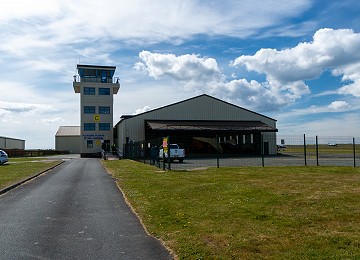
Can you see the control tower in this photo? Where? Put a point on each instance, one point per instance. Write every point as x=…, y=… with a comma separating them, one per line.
x=96, y=86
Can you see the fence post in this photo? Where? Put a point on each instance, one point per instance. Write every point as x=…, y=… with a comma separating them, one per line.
x=217, y=151
x=305, y=150
x=317, y=151
x=144, y=150
x=354, y=151
x=163, y=158
x=169, y=152
x=262, y=150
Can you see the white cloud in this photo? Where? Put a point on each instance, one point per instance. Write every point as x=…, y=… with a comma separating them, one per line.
x=350, y=73
x=23, y=107
x=336, y=50
x=49, y=121
x=201, y=74
x=313, y=110
x=33, y=26
x=263, y=96
x=24, y=9
x=338, y=105
x=286, y=70
x=142, y=110
x=192, y=70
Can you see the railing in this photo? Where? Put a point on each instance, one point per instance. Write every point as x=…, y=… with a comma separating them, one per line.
x=118, y=152
x=114, y=153
x=115, y=80
x=103, y=154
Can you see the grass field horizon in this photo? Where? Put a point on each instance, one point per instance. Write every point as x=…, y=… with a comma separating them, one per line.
x=247, y=212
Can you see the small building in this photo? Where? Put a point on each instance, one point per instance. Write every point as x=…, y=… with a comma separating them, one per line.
x=67, y=138
x=11, y=143
x=96, y=86
x=196, y=124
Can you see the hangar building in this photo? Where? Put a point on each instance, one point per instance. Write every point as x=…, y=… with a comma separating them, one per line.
x=195, y=124
x=11, y=143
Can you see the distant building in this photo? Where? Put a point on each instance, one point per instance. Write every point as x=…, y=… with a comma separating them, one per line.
x=67, y=138
x=11, y=143
x=96, y=87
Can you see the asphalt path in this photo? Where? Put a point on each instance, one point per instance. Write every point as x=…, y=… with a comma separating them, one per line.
x=75, y=211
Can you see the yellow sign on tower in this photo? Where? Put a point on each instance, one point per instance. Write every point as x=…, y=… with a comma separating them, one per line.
x=96, y=118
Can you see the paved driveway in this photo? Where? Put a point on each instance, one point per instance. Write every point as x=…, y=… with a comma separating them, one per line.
x=74, y=212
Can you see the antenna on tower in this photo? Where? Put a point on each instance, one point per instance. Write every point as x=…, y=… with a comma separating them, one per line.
x=75, y=74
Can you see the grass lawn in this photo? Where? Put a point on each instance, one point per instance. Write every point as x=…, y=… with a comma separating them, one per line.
x=22, y=168
x=340, y=149
x=247, y=212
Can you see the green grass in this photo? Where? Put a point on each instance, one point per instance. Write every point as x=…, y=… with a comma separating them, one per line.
x=248, y=212
x=20, y=169
x=341, y=149
x=25, y=159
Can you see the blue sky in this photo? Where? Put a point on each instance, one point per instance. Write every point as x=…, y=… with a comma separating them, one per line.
x=296, y=61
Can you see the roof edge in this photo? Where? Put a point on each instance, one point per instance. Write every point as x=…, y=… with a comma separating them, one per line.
x=124, y=117
x=11, y=138
x=79, y=66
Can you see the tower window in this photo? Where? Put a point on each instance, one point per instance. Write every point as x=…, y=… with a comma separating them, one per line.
x=104, y=126
x=89, y=91
x=89, y=126
x=104, y=110
x=104, y=91
x=89, y=110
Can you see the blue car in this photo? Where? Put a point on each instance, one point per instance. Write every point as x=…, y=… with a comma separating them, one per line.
x=3, y=157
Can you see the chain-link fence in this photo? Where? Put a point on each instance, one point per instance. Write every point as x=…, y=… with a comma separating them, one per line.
x=290, y=150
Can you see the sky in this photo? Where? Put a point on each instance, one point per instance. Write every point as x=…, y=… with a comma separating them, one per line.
x=295, y=61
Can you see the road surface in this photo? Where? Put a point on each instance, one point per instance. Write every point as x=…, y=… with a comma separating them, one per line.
x=73, y=212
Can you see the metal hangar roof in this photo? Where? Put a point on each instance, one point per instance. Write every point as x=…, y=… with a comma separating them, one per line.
x=192, y=125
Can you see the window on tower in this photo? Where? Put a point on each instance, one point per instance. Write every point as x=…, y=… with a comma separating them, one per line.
x=104, y=110
x=89, y=91
x=89, y=126
x=104, y=91
x=89, y=110
x=104, y=126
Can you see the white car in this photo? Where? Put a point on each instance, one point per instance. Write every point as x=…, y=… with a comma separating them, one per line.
x=3, y=157
x=175, y=153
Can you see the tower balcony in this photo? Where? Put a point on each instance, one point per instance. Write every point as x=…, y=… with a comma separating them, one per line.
x=114, y=80
x=113, y=83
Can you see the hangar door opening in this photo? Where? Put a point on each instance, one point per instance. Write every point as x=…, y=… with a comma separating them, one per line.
x=210, y=137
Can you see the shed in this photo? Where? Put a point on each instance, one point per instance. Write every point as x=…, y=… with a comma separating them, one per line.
x=67, y=138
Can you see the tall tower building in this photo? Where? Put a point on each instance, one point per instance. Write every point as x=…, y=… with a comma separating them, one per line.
x=96, y=86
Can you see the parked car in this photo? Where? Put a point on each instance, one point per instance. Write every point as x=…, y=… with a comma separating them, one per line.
x=175, y=153
x=3, y=157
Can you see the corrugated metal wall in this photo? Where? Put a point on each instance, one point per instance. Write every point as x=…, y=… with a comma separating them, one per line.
x=68, y=143
x=11, y=143
x=203, y=107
